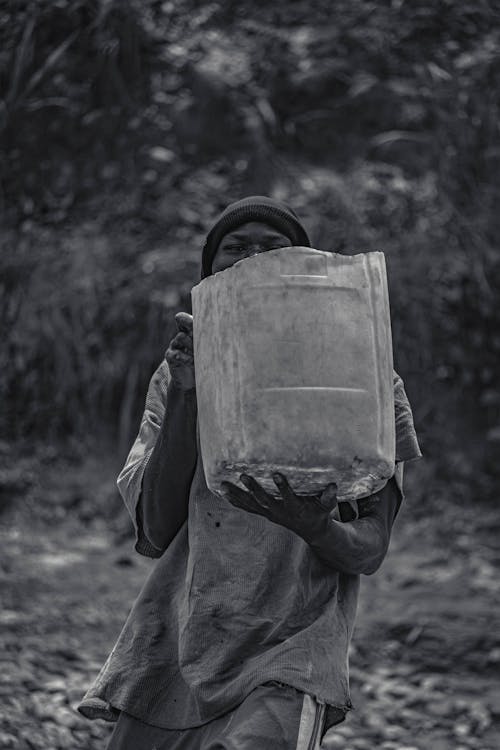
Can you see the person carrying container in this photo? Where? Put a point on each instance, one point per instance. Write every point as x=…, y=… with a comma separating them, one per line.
x=239, y=636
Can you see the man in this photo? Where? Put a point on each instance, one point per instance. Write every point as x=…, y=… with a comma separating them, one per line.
x=239, y=637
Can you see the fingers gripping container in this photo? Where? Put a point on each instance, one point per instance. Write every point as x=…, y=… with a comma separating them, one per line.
x=293, y=364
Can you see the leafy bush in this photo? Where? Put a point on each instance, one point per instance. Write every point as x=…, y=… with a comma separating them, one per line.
x=126, y=126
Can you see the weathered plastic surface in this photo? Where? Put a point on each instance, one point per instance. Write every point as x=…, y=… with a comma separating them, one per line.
x=293, y=361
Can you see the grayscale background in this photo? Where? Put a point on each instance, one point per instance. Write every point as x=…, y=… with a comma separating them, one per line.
x=125, y=128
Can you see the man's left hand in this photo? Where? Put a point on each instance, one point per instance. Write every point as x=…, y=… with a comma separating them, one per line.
x=303, y=514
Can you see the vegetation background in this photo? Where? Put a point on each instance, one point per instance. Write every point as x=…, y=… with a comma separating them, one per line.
x=125, y=127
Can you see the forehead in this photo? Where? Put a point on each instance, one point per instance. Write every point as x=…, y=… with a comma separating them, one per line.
x=253, y=228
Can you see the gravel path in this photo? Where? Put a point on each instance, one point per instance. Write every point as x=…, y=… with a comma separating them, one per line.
x=425, y=658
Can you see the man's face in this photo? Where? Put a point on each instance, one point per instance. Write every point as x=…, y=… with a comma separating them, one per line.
x=246, y=240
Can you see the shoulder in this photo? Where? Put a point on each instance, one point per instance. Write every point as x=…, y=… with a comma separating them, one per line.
x=160, y=378
x=158, y=387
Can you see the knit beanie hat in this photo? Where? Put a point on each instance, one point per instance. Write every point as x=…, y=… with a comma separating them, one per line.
x=252, y=208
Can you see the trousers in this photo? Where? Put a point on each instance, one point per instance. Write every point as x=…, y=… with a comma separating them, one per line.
x=272, y=717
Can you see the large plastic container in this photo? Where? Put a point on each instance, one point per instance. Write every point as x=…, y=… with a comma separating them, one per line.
x=293, y=362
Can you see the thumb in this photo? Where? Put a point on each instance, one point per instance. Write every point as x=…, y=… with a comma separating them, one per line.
x=184, y=322
x=328, y=498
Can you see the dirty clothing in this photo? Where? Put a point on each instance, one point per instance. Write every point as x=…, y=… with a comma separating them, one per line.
x=271, y=717
x=233, y=602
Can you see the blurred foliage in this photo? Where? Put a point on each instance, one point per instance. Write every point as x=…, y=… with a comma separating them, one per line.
x=125, y=127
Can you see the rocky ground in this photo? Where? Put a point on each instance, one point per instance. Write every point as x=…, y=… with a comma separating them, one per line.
x=425, y=658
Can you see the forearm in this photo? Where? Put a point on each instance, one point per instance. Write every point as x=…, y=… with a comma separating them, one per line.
x=360, y=546
x=163, y=504
x=354, y=547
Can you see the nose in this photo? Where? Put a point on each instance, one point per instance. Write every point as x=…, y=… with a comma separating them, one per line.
x=253, y=250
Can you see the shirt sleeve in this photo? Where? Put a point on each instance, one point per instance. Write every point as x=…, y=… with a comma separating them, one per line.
x=129, y=481
x=407, y=449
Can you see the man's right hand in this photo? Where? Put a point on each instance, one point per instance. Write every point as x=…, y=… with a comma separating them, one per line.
x=179, y=354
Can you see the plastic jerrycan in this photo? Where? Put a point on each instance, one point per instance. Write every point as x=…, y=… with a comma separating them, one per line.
x=293, y=366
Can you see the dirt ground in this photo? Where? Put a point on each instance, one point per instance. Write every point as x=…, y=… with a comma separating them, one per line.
x=425, y=657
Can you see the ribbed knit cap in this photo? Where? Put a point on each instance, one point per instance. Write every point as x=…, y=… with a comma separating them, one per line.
x=252, y=208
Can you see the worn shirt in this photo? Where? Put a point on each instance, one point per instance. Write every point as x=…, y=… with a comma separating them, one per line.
x=233, y=601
